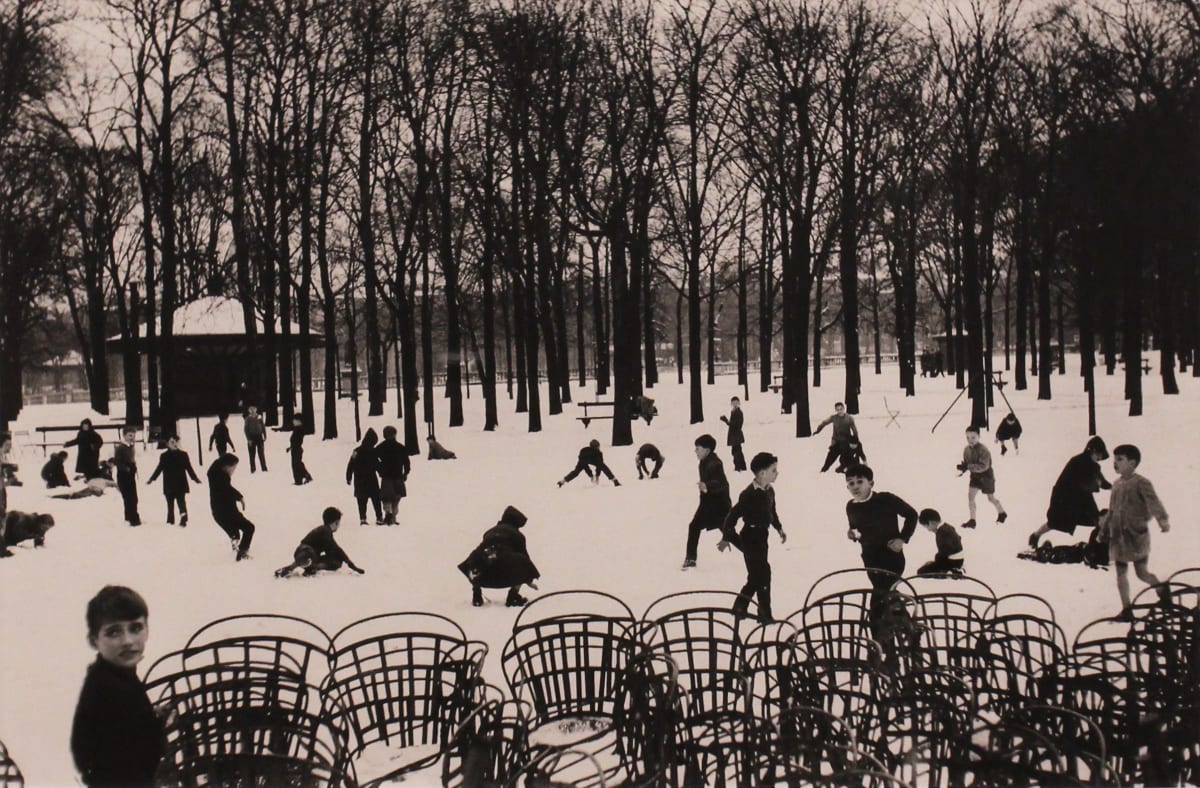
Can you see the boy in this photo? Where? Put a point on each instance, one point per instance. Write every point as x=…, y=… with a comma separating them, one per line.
x=319, y=551
x=220, y=436
x=1009, y=430
x=225, y=500
x=300, y=474
x=734, y=437
x=126, y=465
x=756, y=507
x=978, y=460
x=116, y=736
x=394, y=467
x=872, y=517
x=851, y=454
x=648, y=452
x=844, y=431
x=502, y=560
x=948, y=559
x=590, y=457
x=54, y=472
x=1071, y=501
x=256, y=437
x=1131, y=506
x=19, y=526
x=175, y=467
x=714, y=496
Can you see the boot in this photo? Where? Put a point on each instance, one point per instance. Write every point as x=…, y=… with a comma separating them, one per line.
x=689, y=563
x=476, y=596
x=969, y=524
x=1001, y=517
x=515, y=599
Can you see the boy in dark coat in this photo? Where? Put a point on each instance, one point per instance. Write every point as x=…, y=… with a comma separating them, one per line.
x=734, y=438
x=220, y=436
x=648, y=452
x=394, y=467
x=175, y=466
x=226, y=500
x=319, y=551
x=87, y=460
x=116, y=736
x=590, y=457
x=501, y=560
x=54, y=472
x=844, y=431
x=256, y=437
x=756, y=508
x=714, y=496
x=1071, y=501
x=948, y=558
x=126, y=465
x=1009, y=430
x=300, y=474
x=872, y=517
x=363, y=472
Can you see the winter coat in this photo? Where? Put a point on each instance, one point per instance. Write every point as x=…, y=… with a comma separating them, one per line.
x=501, y=559
x=116, y=739
x=1071, y=501
x=948, y=541
x=363, y=468
x=1008, y=430
x=714, y=503
x=394, y=465
x=175, y=467
x=54, y=474
x=734, y=436
x=1126, y=526
x=222, y=495
x=88, y=458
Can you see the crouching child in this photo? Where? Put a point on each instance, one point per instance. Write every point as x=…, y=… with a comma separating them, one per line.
x=20, y=527
x=319, y=551
x=949, y=557
x=501, y=560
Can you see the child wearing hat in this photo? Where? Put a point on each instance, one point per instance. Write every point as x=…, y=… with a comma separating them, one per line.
x=714, y=496
x=590, y=457
x=501, y=560
x=1071, y=501
x=756, y=508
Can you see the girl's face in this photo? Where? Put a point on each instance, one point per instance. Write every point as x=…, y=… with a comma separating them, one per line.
x=123, y=643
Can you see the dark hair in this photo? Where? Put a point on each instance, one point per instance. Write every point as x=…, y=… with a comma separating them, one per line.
x=839, y=404
x=128, y=428
x=389, y=432
x=928, y=516
x=114, y=603
x=62, y=455
x=225, y=461
x=860, y=471
x=87, y=422
x=174, y=436
x=222, y=416
x=595, y=444
x=370, y=438
x=972, y=428
x=734, y=399
x=331, y=515
x=762, y=461
x=1129, y=451
x=707, y=441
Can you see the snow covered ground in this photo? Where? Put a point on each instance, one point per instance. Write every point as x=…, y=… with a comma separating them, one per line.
x=628, y=540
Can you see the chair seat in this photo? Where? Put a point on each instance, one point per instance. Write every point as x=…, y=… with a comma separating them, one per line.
x=380, y=759
x=597, y=732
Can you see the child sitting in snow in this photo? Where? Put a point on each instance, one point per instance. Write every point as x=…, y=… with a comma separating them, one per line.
x=949, y=545
x=319, y=551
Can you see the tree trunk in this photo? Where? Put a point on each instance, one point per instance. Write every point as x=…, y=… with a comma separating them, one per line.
x=580, y=300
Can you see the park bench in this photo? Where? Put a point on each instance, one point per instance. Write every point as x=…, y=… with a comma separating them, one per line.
x=998, y=380
x=642, y=408
x=44, y=433
x=777, y=384
x=588, y=417
x=1145, y=366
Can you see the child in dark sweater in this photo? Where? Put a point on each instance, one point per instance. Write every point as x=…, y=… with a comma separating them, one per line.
x=756, y=507
x=300, y=474
x=319, y=551
x=949, y=545
x=872, y=517
x=590, y=457
x=220, y=436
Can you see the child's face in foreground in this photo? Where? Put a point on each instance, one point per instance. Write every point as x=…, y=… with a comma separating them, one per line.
x=123, y=643
x=859, y=487
x=767, y=475
x=1124, y=465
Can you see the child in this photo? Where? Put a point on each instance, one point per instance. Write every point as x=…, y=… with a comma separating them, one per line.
x=126, y=465
x=225, y=500
x=175, y=466
x=1131, y=506
x=851, y=454
x=319, y=551
x=978, y=460
x=756, y=507
x=54, y=472
x=714, y=496
x=89, y=443
x=256, y=437
x=948, y=559
x=394, y=467
x=1071, y=501
x=734, y=437
x=590, y=457
x=363, y=472
x=872, y=517
x=648, y=452
x=439, y=452
x=1009, y=430
x=220, y=436
x=19, y=526
x=300, y=474
x=844, y=431
x=116, y=736
x=501, y=560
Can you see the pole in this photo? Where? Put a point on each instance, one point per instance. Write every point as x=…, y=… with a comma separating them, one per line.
x=199, y=444
x=952, y=404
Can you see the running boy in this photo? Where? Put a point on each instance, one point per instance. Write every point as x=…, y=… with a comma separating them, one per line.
x=1132, y=504
x=590, y=457
x=116, y=736
x=872, y=517
x=318, y=550
x=225, y=500
x=714, y=496
x=734, y=438
x=949, y=545
x=175, y=467
x=126, y=466
x=978, y=460
x=844, y=431
x=756, y=507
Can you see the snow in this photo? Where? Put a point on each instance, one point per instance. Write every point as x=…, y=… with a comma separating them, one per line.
x=213, y=315
x=627, y=541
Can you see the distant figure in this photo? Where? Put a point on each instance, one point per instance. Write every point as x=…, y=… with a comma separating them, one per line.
x=93, y=487
x=643, y=407
x=87, y=459
x=439, y=452
x=176, y=467
x=733, y=436
x=714, y=497
x=1009, y=430
x=319, y=551
x=394, y=467
x=363, y=472
x=590, y=457
x=978, y=461
x=220, y=436
x=851, y=454
x=844, y=432
x=5, y=448
x=648, y=452
x=19, y=527
x=256, y=437
x=501, y=560
x=126, y=464
x=948, y=559
x=1071, y=501
x=226, y=501
x=300, y=474
x=1125, y=527
x=54, y=472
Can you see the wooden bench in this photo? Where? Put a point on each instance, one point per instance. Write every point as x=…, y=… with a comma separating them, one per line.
x=45, y=442
x=587, y=417
x=998, y=380
x=777, y=384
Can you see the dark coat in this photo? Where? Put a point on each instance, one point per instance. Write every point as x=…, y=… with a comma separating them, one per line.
x=363, y=470
x=222, y=494
x=175, y=467
x=501, y=559
x=590, y=455
x=54, y=474
x=1071, y=501
x=715, y=503
x=88, y=458
x=1008, y=430
x=116, y=739
x=220, y=437
x=734, y=436
x=394, y=465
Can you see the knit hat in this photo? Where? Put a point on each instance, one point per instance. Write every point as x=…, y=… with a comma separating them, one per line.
x=707, y=441
x=513, y=516
x=1096, y=444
